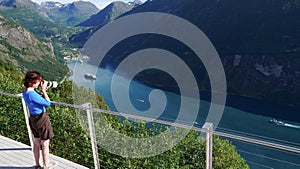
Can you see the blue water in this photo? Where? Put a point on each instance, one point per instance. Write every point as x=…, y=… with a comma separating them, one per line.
x=252, y=123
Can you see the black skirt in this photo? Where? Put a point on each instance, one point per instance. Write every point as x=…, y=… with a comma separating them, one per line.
x=40, y=126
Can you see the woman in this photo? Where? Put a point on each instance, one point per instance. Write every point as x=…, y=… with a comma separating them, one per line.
x=39, y=121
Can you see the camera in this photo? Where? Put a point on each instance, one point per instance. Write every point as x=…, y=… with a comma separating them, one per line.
x=51, y=84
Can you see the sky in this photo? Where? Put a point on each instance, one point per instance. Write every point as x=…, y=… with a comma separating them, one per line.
x=99, y=3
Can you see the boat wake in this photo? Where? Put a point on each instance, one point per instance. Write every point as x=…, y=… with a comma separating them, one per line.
x=292, y=126
x=140, y=100
x=280, y=123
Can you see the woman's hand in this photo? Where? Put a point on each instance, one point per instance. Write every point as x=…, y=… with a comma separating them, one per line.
x=44, y=86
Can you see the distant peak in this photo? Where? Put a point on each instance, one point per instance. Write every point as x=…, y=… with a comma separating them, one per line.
x=51, y=4
x=137, y=2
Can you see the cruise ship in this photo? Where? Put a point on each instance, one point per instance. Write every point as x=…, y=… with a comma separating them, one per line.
x=90, y=76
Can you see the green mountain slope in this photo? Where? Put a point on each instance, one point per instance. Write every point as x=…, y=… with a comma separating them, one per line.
x=106, y=15
x=37, y=20
x=29, y=15
x=109, y=13
x=23, y=50
x=257, y=26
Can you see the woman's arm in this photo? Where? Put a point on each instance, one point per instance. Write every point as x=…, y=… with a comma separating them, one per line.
x=45, y=95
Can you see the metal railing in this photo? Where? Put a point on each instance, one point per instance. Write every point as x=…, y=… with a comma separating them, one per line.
x=206, y=128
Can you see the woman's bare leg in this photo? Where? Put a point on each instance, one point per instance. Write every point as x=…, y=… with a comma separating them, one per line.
x=36, y=151
x=45, y=152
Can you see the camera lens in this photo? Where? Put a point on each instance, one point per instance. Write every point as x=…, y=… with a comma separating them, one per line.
x=51, y=84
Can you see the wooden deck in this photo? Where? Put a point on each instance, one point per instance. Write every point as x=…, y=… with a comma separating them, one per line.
x=15, y=155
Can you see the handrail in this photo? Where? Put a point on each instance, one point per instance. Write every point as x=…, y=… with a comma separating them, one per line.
x=236, y=137
x=12, y=95
x=259, y=142
x=227, y=135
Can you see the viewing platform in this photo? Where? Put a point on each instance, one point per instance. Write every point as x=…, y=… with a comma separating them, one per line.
x=16, y=155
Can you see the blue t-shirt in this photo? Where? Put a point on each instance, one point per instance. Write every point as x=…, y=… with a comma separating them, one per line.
x=35, y=102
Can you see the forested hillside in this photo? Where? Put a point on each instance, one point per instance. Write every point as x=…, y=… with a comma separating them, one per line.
x=47, y=24
x=25, y=51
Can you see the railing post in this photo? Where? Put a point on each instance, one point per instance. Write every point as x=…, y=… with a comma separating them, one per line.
x=208, y=128
x=92, y=134
x=26, y=114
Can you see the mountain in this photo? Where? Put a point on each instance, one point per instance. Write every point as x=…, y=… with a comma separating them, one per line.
x=258, y=42
x=251, y=26
x=8, y=3
x=48, y=20
x=69, y=14
x=106, y=15
x=25, y=51
x=36, y=19
x=109, y=13
x=30, y=15
x=51, y=5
